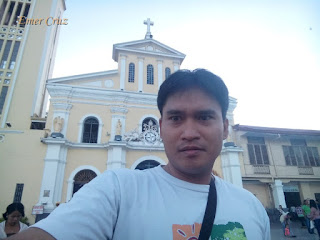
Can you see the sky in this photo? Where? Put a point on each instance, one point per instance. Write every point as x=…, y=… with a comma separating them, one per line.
x=266, y=51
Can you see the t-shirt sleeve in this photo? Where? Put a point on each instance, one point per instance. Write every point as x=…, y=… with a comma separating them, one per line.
x=267, y=235
x=90, y=214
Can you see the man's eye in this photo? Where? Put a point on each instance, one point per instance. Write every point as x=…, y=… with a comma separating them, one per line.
x=205, y=117
x=175, y=118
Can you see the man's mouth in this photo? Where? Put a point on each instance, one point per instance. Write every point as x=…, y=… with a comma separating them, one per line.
x=191, y=150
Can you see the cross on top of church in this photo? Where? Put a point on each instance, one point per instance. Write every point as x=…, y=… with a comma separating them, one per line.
x=148, y=23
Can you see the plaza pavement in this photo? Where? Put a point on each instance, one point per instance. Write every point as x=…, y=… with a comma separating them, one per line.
x=301, y=233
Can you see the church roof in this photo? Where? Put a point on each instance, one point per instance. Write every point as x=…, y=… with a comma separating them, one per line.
x=86, y=76
x=147, y=47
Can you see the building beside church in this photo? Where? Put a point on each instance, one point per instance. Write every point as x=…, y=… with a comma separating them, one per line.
x=27, y=53
x=280, y=166
x=107, y=120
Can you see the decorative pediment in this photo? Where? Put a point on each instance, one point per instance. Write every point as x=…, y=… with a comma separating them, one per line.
x=147, y=47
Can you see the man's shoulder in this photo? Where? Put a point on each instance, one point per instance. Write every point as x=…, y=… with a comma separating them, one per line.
x=229, y=191
x=124, y=174
x=234, y=189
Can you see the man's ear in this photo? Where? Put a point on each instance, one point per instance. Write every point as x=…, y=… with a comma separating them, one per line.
x=225, y=128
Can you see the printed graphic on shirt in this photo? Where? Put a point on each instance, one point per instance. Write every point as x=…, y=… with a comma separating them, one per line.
x=229, y=231
x=183, y=232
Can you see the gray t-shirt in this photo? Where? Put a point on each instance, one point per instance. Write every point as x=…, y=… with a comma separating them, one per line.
x=152, y=204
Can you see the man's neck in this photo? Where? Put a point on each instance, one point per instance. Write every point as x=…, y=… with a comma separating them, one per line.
x=192, y=178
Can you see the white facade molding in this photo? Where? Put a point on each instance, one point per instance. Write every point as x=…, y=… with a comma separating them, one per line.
x=231, y=165
x=81, y=77
x=103, y=95
x=119, y=110
x=150, y=157
x=61, y=106
x=176, y=66
x=53, y=174
x=140, y=74
x=73, y=174
x=116, y=156
x=160, y=73
x=278, y=194
x=11, y=131
x=123, y=70
x=139, y=47
x=150, y=53
x=81, y=122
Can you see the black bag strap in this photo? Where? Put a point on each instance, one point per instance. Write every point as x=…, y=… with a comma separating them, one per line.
x=210, y=212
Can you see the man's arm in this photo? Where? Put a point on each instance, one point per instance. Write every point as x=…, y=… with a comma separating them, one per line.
x=32, y=233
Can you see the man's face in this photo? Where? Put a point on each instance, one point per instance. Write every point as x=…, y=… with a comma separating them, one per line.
x=192, y=130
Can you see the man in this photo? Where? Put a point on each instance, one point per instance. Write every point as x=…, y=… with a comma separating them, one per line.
x=306, y=213
x=300, y=215
x=166, y=202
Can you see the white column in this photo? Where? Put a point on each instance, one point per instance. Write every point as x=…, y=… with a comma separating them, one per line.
x=231, y=165
x=160, y=74
x=53, y=173
x=116, y=155
x=176, y=66
x=69, y=190
x=140, y=74
x=61, y=110
x=278, y=194
x=123, y=71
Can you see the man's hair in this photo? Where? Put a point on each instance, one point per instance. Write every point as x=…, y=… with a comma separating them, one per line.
x=183, y=80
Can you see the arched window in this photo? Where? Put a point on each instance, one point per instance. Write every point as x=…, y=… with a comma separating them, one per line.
x=167, y=72
x=131, y=73
x=149, y=123
x=147, y=164
x=90, y=130
x=81, y=178
x=150, y=74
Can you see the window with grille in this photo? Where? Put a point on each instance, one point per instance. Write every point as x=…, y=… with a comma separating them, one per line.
x=147, y=164
x=18, y=192
x=149, y=123
x=2, y=8
x=82, y=178
x=1, y=43
x=5, y=55
x=167, y=72
x=90, y=130
x=25, y=13
x=17, y=14
x=3, y=96
x=131, y=73
x=14, y=54
x=257, y=149
x=299, y=154
x=8, y=14
x=150, y=79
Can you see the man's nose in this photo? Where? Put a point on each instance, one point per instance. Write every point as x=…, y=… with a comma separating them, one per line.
x=190, y=130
